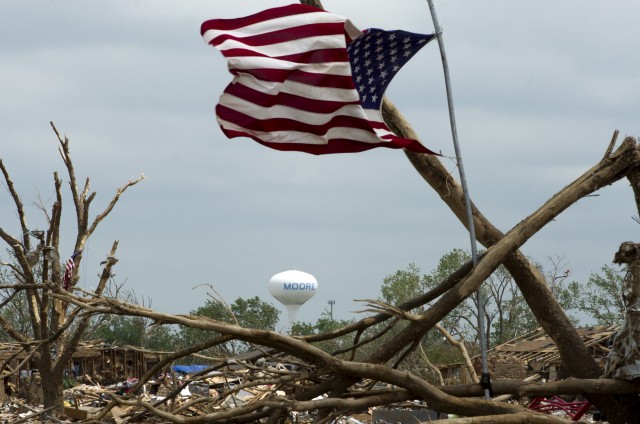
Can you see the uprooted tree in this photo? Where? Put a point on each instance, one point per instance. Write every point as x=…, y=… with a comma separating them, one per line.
x=36, y=270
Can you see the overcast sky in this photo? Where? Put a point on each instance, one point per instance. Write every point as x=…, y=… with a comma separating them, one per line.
x=539, y=88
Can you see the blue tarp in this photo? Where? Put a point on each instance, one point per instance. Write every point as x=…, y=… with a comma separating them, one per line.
x=189, y=369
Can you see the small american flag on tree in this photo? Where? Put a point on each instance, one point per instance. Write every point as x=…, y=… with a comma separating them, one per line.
x=68, y=271
x=308, y=80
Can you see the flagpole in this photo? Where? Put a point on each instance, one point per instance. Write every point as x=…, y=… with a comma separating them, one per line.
x=463, y=182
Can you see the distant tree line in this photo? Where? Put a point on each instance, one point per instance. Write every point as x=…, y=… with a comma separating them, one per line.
x=597, y=301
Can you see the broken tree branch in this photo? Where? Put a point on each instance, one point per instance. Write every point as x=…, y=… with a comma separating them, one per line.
x=604, y=173
x=522, y=417
x=19, y=207
x=463, y=350
x=112, y=204
x=303, y=350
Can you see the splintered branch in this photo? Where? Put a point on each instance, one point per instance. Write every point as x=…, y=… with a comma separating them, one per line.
x=111, y=204
x=106, y=271
x=20, y=255
x=463, y=350
x=612, y=144
x=82, y=200
x=19, y=207
x=377, y=306
x=604, y=173
x=576, y=357
x=80, y=328
x=66, y=158
x=634, y=179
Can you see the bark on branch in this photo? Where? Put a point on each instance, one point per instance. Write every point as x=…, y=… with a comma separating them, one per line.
x=325, y=361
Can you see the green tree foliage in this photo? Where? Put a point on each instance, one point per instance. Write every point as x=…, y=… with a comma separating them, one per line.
x=324, y=324
x=248, y=313
x=135, y=331
x=601, y=298
x=506, y=313
x=14, y=307
x=462, y=321
x=14, y=310
x=405, y=284
x=254, y=313
x=121, y=330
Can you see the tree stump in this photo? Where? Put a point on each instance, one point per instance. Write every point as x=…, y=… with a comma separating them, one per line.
x=623, y=361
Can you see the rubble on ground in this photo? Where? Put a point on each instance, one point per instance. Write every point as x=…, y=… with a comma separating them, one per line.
x=185, y=390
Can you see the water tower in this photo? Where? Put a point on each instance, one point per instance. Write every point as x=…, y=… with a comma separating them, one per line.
x=293, y=288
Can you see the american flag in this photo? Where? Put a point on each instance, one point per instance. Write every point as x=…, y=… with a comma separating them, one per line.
x=69, y=266
x=307, y=80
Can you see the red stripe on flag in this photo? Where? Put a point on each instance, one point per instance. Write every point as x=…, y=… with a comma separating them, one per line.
x=314, y=56
x=286, y=99
x=69, y=266
x=265, y=15
x=283, y=35
x=309, y=78
x=286, y=124
x=332, y=146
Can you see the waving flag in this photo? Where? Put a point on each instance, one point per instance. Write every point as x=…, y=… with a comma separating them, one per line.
x=307, y=80
x=68, y=271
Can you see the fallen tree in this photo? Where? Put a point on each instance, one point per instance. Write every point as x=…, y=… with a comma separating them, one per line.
x=337, y=375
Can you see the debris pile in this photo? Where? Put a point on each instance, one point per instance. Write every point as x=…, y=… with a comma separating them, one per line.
x=248, y=383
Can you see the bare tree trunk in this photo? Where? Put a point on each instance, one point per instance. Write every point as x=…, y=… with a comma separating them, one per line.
x=624, y=358
x=431, y=367
x=52, y=389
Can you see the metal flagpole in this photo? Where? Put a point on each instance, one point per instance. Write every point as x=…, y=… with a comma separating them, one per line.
x=463, y=181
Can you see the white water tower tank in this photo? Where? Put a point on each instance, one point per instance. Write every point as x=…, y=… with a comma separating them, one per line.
x=293, y=288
